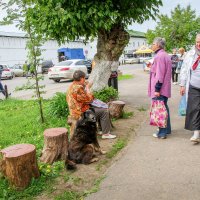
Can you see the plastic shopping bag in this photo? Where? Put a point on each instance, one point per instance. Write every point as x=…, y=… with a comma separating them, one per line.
x=182, y=106
x=158, y=114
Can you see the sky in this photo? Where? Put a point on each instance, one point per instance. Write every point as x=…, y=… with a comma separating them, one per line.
x=168, y=6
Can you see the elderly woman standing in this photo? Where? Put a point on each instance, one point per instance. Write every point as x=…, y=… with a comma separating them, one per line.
x=160, y=81
x=190, y=85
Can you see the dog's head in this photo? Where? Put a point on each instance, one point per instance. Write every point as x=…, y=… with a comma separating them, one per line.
x=89, y=116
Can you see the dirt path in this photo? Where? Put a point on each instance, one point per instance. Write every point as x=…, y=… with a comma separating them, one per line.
x=151, y=168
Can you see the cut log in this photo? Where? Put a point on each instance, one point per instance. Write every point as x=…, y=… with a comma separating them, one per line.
x=19, y=164
x=116, y=108
x=119, y=72
x=55, y=145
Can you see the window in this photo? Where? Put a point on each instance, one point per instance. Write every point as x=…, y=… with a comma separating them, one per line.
x=64, y=63
x=81, y=62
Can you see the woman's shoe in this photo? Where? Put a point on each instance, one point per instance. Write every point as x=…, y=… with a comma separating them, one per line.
x=155, y=135
x=193, y=139
x=99, y=133
x=108, y=136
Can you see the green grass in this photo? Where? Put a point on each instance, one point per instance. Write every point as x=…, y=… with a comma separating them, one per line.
x=126, y=115
x=101, y=164
x=125, y=76
x=141, y=109
x=95, y=188
x=20, y=123
x=69, y=195
x=120, y=144
x=72, y=195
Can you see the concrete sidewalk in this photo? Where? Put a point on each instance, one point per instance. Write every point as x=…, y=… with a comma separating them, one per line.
x=151, y=168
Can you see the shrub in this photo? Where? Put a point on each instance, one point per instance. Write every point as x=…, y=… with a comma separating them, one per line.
x=58, y=106
x=107, y=94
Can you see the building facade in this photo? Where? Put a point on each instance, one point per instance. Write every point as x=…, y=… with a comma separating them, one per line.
x=13, y=47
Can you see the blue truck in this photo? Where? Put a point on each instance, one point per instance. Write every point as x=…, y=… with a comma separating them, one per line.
x=70, y=53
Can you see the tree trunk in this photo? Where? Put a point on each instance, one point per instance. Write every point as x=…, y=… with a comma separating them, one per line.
x=110, y=46
x=19, y=164
x=55, y=145
x=116, y=108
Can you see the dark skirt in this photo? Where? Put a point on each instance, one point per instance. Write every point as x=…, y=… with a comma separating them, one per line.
x=192, y=121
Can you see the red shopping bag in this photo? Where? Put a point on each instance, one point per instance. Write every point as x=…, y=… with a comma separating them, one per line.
x=158, y=114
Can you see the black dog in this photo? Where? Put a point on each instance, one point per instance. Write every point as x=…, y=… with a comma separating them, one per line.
x=84, y=143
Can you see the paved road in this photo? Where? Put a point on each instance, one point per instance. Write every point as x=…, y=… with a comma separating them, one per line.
x=151, y=168
x=50, y=86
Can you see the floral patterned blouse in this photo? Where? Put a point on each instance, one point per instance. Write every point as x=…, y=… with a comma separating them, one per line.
x=78, y=100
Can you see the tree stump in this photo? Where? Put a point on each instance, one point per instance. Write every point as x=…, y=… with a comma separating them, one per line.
x=19, y=164
x=119, y=72
x=116, y=108
x=55, y=145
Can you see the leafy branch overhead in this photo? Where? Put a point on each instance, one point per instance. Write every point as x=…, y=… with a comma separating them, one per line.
x=179, y=29
x=20, y=11
x=106, y=20
x=71, y=19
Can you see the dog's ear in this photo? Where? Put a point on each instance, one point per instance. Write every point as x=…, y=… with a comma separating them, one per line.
x=82, y=115
x=92, y=109
x=85, y=115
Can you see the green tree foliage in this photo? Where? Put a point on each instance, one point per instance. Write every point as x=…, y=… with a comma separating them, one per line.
x=107, y=94
x=70, y=19
x=58, y=106
x=20, y=11
x=179, y=29
x=105, y=19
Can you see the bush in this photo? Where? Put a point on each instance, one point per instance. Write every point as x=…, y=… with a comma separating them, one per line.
x=58, y=106
x=107, y=94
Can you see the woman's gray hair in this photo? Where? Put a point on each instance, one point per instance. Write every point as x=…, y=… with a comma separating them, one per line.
x=160, y=41
x=198, y=35
x=78, y=74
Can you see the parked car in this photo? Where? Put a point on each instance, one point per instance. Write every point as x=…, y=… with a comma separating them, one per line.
x=6, y=72
x=16, y=70
x=65, y=69
x=147, y=64
x=46, y=65
x=130, y=59
x=88, y=64
x=142, y=59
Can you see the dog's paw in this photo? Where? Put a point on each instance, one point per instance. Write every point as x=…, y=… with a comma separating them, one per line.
x=94, y=159
x=70, y=165
x=103, y=152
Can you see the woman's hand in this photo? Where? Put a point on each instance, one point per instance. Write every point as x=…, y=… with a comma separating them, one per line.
x=157, y=94
x=182, y=90
x=90, y=84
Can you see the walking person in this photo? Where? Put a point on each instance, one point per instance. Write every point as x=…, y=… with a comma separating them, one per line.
x=180, y=62
x=190, y=86
x=1, y=86
x=32, y=70
x=159, y=87
x=174, y=59
x=25, y=69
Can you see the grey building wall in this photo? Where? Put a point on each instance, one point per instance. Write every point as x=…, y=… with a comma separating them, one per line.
x=13, y=48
